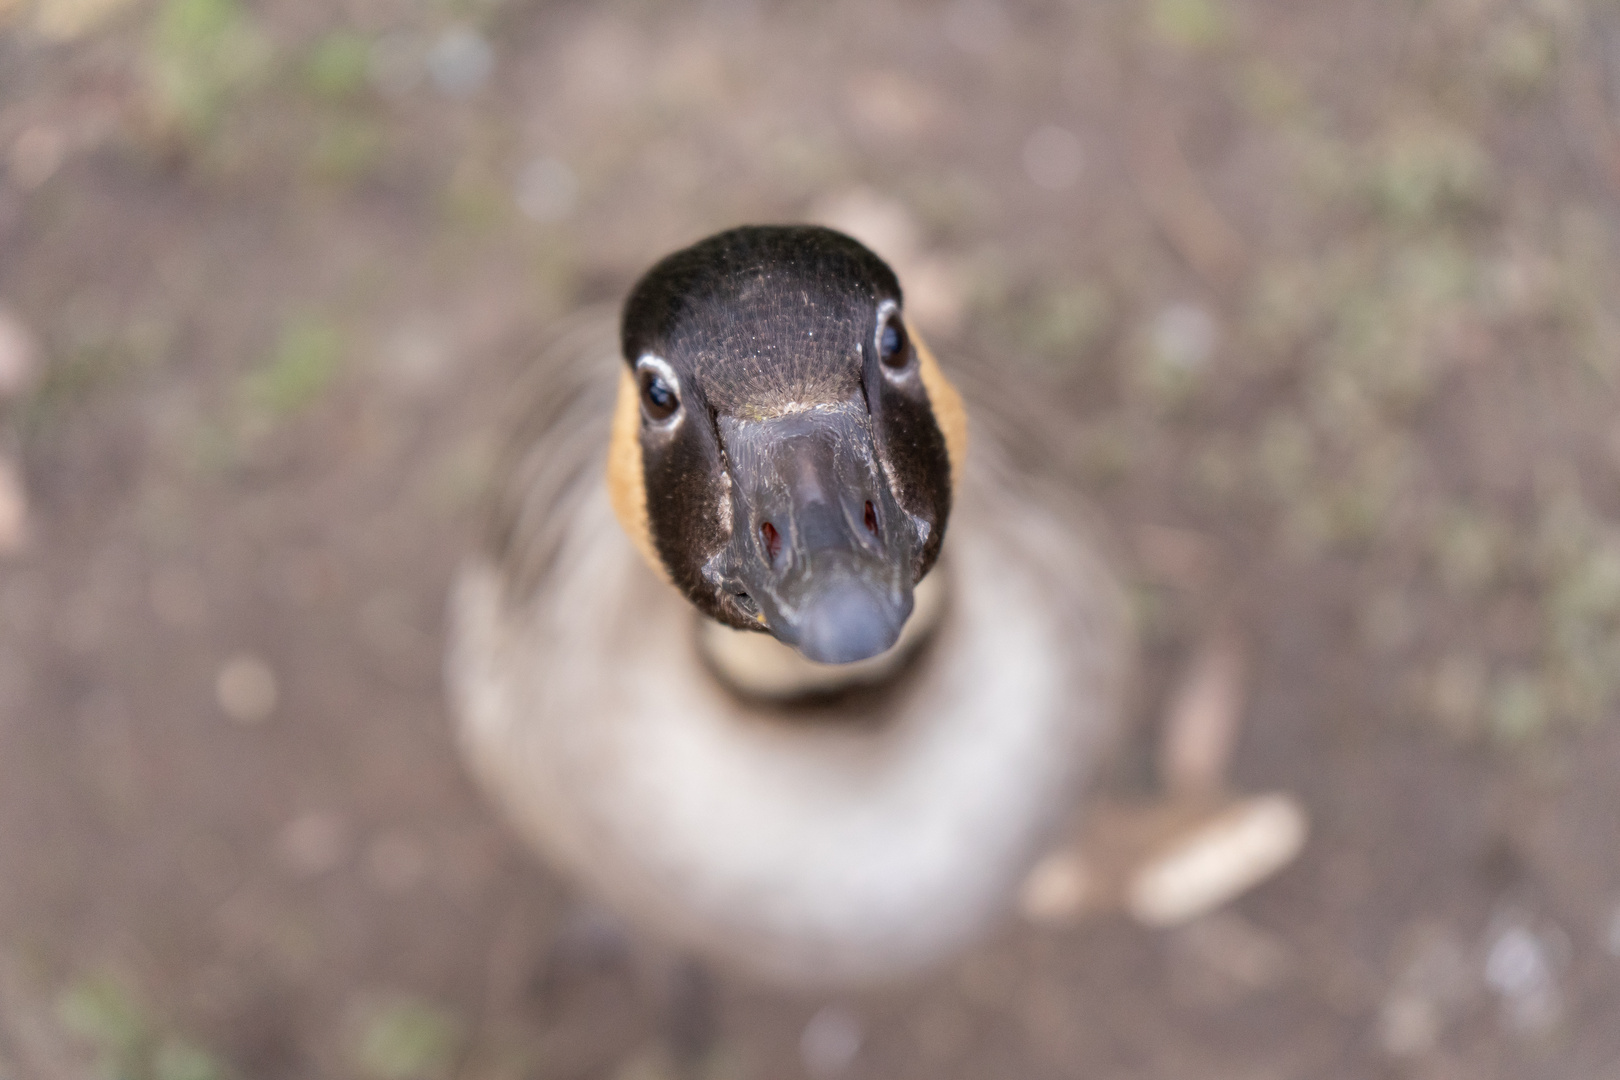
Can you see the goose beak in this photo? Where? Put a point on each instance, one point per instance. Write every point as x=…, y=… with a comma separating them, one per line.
x=845, y=614
x=820, y=547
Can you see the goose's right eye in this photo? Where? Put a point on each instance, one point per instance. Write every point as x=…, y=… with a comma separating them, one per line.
x=658, y=397
x=892, y=344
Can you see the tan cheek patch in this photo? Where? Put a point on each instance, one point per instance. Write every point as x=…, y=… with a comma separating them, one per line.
x=626, y=480
x=949, y=412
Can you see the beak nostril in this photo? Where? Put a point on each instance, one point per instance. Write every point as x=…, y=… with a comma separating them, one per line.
x=871, y=519
x=772, y=540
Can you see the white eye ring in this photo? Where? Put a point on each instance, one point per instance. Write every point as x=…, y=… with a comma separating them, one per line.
x=886, y=311
x=654, y=376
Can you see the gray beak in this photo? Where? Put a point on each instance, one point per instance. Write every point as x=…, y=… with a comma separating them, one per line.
x=820, y=548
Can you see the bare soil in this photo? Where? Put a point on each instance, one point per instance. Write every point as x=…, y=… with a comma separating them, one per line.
x=1328, y=295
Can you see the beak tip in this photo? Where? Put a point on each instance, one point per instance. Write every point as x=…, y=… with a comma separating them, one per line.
x=850, y=622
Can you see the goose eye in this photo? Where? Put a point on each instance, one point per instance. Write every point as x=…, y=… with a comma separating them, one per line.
x=893, y=347
x=658, y=398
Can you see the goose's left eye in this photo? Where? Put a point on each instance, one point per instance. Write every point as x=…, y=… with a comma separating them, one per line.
x=894, y=349
x=657, y=396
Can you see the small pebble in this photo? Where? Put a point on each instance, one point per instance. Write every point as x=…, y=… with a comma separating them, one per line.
x=1433, y=983
x=1185, y=337
x=1056, y=890
x=1409, y=1024
x=1053, y=159
x=19, y=355
x=460, y=62
x=13, y=508
x=830, y=1041
x=246, y=689
x=1522, y=968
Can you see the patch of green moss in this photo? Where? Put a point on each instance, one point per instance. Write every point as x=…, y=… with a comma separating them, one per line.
x=1271, y=94
x=1195, y=25
x=1518, y=707
x=345, y=149
x=306, y=356
x=1424, y=171
x=408, y=1040
x=201, y=54
x=1522, y=56
x=1066, y=321
x=100, y=1010
x=337, y=66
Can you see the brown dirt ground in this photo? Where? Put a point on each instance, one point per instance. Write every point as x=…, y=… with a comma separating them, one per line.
x=281, y=280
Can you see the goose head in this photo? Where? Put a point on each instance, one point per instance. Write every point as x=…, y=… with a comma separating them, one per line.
x=784, y=447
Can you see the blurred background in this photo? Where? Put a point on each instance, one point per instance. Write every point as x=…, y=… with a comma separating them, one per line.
x=1330, y=289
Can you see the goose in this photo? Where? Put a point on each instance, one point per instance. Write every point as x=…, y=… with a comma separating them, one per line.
x=760, y=645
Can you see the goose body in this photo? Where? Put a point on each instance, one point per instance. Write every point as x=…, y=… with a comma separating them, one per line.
x=851, y=835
